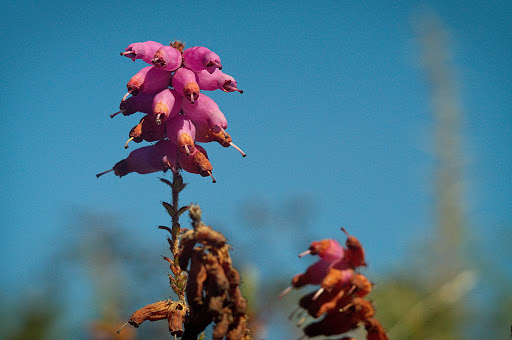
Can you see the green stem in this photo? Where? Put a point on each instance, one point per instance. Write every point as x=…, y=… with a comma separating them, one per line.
x=175, y=219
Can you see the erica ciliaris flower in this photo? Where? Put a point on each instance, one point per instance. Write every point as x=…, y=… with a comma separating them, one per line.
x=340, y=300
x=168, y=91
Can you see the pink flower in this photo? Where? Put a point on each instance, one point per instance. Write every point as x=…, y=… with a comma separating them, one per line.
x=217, y=80
x=184, y=82
x=167, y=58
x=144, y=50
x=166, y=104
x=149, y=80
x=200, y=58
x=328, y=250
x=159, y=157
x=182, y=132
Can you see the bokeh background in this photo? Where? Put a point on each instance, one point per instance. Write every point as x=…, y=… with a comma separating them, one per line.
x=390, y=118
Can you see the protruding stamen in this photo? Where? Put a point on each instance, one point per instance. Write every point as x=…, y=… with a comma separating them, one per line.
x=304, y=253
x=236, y=147
x=346, y=307
x=213, y=178
x=116, y=113
x=346, y=233
x=217, y=64
x=232, y=88
x=127, y=94
x=127, y=52
x=187, y=149
x=192, y=98
x=352, y=289
x=104, y=172
x=317, y=294
x=284, y=292
x=128, y=141
x=158, y=121
x=119, y=330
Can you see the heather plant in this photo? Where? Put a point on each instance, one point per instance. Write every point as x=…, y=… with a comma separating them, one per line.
x=340, y=300
x=207, y=287
x=167, y=92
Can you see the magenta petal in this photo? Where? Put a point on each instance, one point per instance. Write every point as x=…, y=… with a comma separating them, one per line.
x=181, y=78
x=166, y=104
x=167, y=58
x=179, y=125
x=141, y=103
x=317, y=271
x=215, y=81
x=164, y=155
x=333, y=253
x=205, y=111
x=143, y=50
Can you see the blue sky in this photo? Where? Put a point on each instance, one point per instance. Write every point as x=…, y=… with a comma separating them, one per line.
x=335, y=110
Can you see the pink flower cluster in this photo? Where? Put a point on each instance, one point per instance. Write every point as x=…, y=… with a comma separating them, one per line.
x=340, y=298
x=178, y=114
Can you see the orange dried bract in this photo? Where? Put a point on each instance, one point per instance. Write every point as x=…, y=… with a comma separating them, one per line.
x=153, y=312
x=233, y=278
x=208, y=134
x=239, y=303
x=237, y=329
x=176, y=317
x=336, y=277
x=187, y=243
x=217, y=283
x=206, y=235
x=362, y=286
x=135, y=132
x=318, y=247
x=355, y=251
x=196, y=278
x=361, y=309
x=329, y=302
x=203, y=165
x=221, y=327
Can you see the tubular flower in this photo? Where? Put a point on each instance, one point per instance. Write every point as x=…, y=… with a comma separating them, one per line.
x=169, y=90
x=340, y=300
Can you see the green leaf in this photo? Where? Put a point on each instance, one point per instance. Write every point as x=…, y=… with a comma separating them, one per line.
x=178, y=183
x=169, y=208
x=182, y=210
x=166, y=181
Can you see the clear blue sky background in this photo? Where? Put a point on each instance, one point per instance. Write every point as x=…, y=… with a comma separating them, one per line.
x=335, y=109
